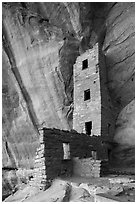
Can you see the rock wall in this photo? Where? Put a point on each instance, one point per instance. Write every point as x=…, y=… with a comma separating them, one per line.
x=64, y=153
x=19, y=135
x=19, y=138
x=86, y=167
x=98, y=108
x=125, y=124
x=119, y=49
x=87, y=110
x=39, y=178
x=41, y=42
x=80, y=145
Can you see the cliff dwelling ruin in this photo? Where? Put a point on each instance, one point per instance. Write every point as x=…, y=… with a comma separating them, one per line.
x=68, y=101
x=80, y=151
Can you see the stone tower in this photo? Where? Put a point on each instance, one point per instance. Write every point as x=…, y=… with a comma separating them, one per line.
x=93, y=112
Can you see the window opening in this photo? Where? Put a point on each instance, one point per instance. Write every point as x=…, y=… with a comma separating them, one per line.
x=88, y=127
x=85, y=64
x=109, y=125
x=66, y=149
x=109, y=154
x=87, y=94
x=94, y=154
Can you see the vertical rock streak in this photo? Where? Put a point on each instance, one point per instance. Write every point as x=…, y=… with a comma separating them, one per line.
x=14, y=69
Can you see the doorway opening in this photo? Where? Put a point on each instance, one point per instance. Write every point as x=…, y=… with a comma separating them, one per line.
x=88, y=127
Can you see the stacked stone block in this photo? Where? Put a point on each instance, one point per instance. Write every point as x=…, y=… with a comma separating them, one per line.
x=86, y=167
x=50, y=162
x=98, y=109
x=89, y=78
x=104, y=168
x=39, y=176
x=81, y=146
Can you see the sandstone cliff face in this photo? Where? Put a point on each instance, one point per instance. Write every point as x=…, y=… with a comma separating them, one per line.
x=119, y=49
x=41, y=42
x=19, y=137
x=125, y=125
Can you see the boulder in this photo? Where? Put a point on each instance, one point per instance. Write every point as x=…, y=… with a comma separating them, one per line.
x=58, y=192
x=79, y=194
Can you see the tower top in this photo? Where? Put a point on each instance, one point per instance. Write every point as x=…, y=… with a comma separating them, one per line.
x=92, y=53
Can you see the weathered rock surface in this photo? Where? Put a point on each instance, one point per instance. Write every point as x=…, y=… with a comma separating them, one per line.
x=124, y=153
x=58, y=192
x=15, y=180
x=40, y=44
x=123, y=156
x=119, y=49
x=125, y=125
x=79, y=194
x=67, y=190
x=19, y=137
x=23, y=194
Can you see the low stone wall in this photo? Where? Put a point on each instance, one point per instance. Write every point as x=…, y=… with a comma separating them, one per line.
x=86, y=167
x=39, y=176
x=50, y=162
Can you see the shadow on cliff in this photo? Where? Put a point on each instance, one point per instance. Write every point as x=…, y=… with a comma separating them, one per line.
x=8, y=50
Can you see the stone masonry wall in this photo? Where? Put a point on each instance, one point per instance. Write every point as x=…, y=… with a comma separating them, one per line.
x=80, y=146
x=49, y=160
x=89, y=110
x=107, y=110
x=86, y=167
x=98, y=108
x=39, y=175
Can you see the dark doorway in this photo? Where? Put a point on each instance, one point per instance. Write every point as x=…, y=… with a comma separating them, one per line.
x=109, y=154
x=87, y=94
x=85, y=64
x=88, y=127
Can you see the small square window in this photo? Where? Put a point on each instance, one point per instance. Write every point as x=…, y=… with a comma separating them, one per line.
x=88, y=127
x=85, y=64
x=94, y=154
x=87, y=94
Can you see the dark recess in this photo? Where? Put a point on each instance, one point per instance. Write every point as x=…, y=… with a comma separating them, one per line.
x=85, y=64
x=87, y=94
x=88, y=127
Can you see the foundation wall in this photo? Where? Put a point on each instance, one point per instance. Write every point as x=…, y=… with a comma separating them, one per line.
x=80, y=145
x=86, y=167
x=50, y=162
